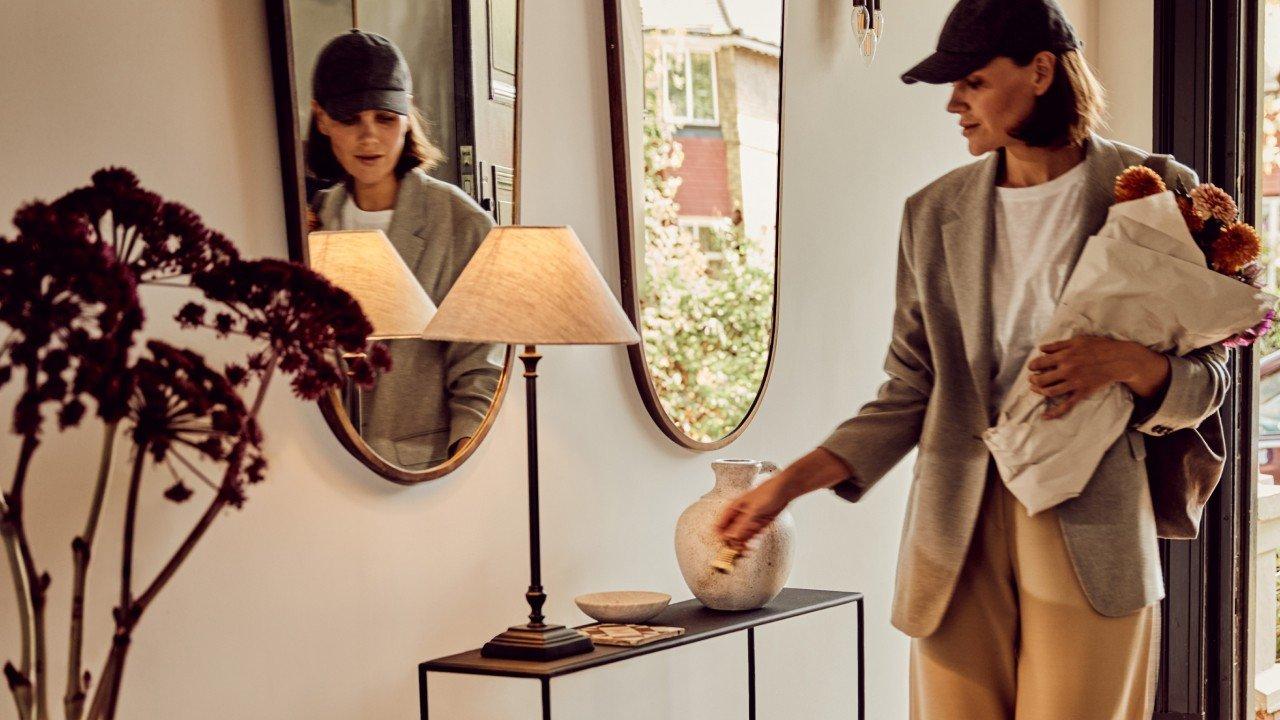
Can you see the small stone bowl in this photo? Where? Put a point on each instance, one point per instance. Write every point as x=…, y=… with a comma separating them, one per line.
x=623, y=606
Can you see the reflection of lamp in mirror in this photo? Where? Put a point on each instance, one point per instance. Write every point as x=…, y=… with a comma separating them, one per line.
x=368, y=266
x=532, y=286
x=868, y=25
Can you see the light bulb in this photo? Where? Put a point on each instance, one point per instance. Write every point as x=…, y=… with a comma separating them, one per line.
x=860, y=20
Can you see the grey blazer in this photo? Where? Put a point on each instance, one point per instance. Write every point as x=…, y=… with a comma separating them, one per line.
x=436, y=392
x=938, y=397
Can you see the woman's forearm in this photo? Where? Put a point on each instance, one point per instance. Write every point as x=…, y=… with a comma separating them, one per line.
x=816, y=470
x=1149, y=374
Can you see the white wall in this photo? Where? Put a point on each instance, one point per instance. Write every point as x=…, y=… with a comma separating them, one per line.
x=317, y=600
x=1122, y=52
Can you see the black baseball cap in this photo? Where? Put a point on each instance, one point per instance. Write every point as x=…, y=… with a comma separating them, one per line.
x=359, y=71
x=978, y=31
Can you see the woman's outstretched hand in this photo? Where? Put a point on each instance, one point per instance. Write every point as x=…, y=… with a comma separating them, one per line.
x=751, y=512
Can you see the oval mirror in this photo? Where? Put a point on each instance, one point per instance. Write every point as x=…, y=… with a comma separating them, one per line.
x=696, y=102
x=389, y=198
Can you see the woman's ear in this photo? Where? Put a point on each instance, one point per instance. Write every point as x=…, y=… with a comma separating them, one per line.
x=1043, y=66
x=322, y=118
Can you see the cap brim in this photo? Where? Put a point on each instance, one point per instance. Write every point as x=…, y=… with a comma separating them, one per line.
x=346, y=106
x=944, y=67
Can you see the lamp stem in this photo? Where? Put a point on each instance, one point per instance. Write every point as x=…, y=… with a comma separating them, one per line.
x=535, y=596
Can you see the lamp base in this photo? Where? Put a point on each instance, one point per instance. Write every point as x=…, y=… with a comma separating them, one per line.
x=537, y=642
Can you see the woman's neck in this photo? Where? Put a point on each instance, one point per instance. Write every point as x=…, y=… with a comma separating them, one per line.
x=376, y=196
x=1025, y=166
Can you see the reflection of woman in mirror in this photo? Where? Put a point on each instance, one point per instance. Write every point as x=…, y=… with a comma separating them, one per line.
x=367, y=136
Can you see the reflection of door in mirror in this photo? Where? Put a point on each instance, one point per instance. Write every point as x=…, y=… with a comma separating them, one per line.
x=700, y=85
x=384, y=132
x=485, y=71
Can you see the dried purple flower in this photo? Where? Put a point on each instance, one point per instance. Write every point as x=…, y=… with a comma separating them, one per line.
x=305, y=320
x=180, y=404
x=156, y=239
x=73, y=310
x=178, y=492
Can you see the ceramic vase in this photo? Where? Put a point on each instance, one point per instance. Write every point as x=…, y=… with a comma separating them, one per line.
x=757, y=578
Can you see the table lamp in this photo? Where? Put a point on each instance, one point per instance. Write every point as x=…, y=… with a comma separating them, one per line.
x=367, y=265
x=532, y=286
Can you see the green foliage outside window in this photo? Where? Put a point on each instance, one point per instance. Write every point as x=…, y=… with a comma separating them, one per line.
x=706, y=325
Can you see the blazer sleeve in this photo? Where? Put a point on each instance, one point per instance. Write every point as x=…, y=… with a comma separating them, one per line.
x=1198, y=381
x=887, y=428
x=472, y=379
x=472, y=370
x=1197, y=385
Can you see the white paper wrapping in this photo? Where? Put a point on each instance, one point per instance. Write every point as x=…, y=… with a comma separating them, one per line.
x=1141, y=278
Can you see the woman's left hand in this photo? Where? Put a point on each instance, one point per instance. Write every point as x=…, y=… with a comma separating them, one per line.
x=1071, y=370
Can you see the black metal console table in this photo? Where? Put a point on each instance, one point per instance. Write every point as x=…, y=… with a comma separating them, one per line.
x=699, y=624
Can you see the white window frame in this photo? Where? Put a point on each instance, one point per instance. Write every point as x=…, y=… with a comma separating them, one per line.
x=685, y=53
x=694, y=223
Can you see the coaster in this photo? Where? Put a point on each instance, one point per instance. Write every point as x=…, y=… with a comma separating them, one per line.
x=629, y=634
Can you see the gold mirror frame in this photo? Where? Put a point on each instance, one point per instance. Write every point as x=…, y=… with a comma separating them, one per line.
x=623, y=193
x=279, y=33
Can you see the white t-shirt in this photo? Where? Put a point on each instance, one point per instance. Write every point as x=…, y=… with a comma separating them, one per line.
x=1035, y=227
x=353, y=218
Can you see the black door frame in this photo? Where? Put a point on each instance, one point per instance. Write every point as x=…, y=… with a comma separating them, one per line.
x=1205, y=109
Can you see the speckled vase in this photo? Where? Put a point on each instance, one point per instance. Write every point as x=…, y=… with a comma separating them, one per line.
x=757, y=578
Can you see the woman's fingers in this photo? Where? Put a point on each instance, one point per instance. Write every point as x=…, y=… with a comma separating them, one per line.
x=1059, y=388
x=726, y=518
x=738, y=525
x=1062, y=408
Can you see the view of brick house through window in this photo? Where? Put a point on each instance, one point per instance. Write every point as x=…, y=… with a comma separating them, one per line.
x=712, y=94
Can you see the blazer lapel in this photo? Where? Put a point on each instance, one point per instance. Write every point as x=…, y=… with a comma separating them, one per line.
x=407, y=224
x=1102, y=165
x=967, y=244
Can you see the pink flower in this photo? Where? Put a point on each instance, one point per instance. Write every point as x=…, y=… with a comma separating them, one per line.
x=1250, y=336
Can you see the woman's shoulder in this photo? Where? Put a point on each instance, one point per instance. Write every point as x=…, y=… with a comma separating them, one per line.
x=438, y=195
x=327, y=204
x=1133, y=155
x=437, y=204
x=942, y=192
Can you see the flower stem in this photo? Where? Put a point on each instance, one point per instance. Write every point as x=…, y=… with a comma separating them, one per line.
x=130, y=612
x=30, y=589
x=130, y=524
x=104, y=698
x=81, y=550
x=234, y=460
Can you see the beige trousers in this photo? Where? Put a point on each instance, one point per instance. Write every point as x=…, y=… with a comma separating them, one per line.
x=1019, y=640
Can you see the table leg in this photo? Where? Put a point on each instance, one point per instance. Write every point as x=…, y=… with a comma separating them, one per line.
x=422, y=693
x=751, y=673
x=546, y=698
x=862, y=695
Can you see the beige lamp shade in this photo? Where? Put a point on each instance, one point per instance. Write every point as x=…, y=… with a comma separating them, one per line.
x=367, y=265
x=532, y=286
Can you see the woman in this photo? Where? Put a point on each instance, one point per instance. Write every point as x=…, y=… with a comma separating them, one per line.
x=366, y=134
x=1051, y=616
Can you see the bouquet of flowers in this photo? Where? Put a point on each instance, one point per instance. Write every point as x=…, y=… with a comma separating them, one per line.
x=1172, y=270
